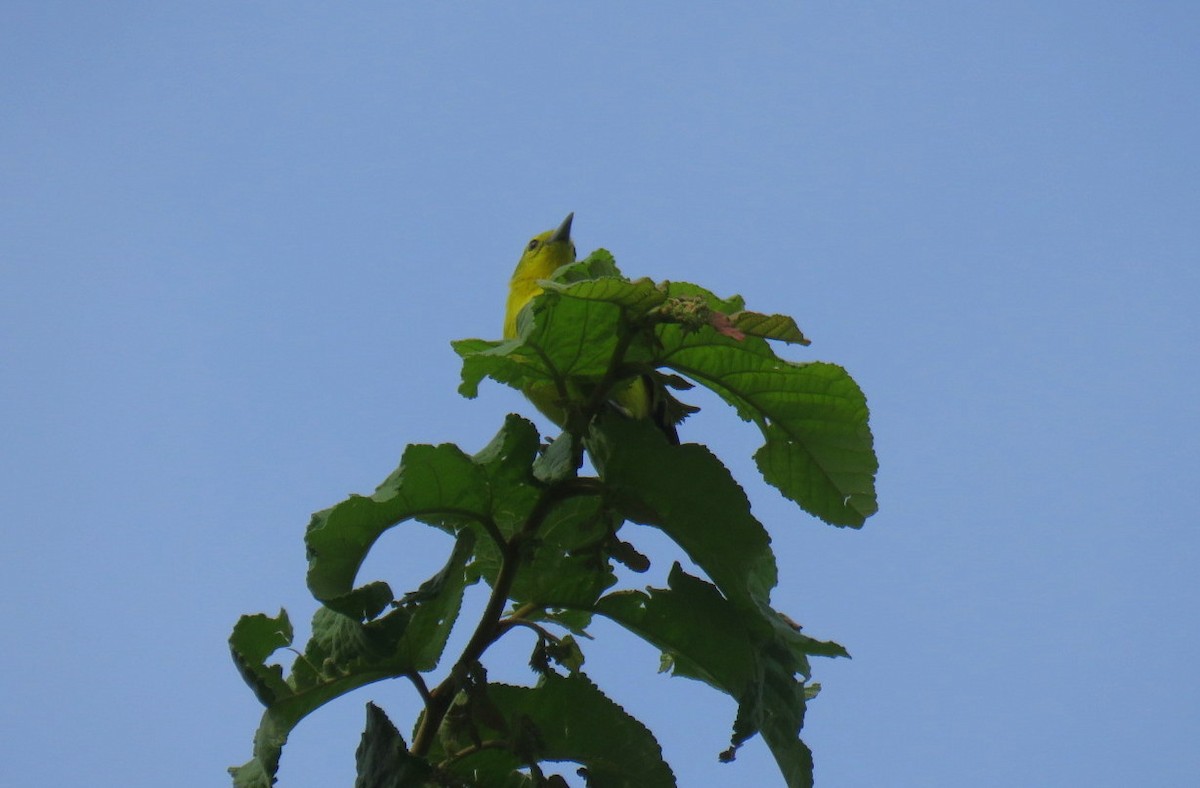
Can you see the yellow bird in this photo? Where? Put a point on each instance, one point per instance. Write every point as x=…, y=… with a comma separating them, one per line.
x=543, y=255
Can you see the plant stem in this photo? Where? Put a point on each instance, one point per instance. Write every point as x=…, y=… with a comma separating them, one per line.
x=419, y=682
x=437, y=703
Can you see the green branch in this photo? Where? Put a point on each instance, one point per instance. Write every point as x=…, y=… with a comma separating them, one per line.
x=488, y=629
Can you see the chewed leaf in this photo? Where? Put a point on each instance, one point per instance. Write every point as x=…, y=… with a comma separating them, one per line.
x=254, y=639
x=342, y=655
x=780, y=327
x=439, y=485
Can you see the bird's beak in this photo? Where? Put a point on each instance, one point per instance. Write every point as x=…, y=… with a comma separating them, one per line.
x=563, y=233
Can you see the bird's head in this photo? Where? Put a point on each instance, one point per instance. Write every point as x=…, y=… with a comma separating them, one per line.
x=547, y=251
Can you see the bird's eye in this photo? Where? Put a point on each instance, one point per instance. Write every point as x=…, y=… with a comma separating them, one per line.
x=533, y=245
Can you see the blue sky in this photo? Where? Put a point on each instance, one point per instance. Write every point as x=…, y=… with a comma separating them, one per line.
x=236, y=241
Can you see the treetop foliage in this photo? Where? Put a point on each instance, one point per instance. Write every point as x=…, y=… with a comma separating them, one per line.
x=522, y=516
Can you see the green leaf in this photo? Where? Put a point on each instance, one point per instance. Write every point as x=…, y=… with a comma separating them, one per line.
x=383, y=758
x=818, y=449
x=687, y=290
x=507, y=464
x=702, y=634
x=566, y=719
x=753, y=655
x=434, y=608
x=488, y=360
x=508, y=362
x=574, y=621
x=565, y=566
x=342, y=655
x=560, y=460
x=567, y=336
x=254, y=774
x=818, y=453
x=560, y=339
x=687, y=493
x=572, y=337
x=367, y=602
x=255, y=638
x=439, y=485
x=776, y=707
x=596, y=265
x=787, y=634
x=638, y=297
x=564, y=651
x=430, y=479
